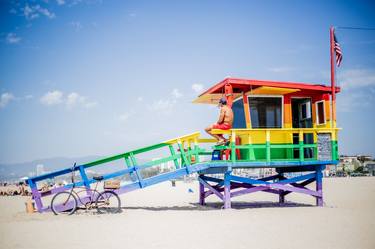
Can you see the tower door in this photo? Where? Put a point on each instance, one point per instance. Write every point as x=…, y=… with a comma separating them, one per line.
x=302, y=118
x=302, y=113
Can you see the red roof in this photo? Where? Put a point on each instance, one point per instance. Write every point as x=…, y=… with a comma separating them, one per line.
x=244, y=85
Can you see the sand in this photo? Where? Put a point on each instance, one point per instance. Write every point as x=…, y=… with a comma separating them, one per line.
x=164, y=217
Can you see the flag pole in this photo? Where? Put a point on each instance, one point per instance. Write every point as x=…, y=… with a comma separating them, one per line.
x=333, y=99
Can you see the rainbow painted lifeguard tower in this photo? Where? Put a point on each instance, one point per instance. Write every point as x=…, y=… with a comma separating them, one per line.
x=287, y=127
x=290, y=127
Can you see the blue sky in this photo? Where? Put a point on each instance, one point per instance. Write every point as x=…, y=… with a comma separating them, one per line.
x=100, y=77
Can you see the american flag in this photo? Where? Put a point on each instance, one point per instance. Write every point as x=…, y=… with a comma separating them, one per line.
x=338, y=51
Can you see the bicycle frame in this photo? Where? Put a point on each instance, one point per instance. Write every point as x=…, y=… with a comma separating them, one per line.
x=92, y=199
x=90, y=192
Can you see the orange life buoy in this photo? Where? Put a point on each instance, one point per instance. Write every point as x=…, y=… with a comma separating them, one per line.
x=228, y=90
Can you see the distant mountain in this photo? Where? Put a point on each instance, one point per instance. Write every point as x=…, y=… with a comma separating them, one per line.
x=15, y=171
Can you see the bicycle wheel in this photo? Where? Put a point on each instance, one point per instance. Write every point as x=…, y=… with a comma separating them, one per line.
x=64, y=203
x=108, y=202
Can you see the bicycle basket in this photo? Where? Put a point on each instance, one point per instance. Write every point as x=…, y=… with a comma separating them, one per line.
x=112, y=184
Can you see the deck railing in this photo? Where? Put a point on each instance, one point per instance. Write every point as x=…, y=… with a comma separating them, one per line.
x=283, y=139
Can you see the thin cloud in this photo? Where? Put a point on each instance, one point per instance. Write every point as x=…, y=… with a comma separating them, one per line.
x=76, y=25
x=74, y=99
x=280, y=69
x=52, y=98
x=125, y=116
x=356, y=78
x=47, y=13
x=60, y=2
x=166, y=105
x=163, y=106
x=71, y=101
x=5, y=99
x=89, y=105
x=35, y=11
x=176, y=93
x=12, y=38
x=198, y=88
x=75, y=2
x=352, y=101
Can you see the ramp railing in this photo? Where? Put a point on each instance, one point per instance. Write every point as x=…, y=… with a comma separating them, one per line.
x=184, y=151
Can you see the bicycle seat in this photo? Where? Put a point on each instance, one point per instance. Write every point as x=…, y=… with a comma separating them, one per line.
x=98, y=178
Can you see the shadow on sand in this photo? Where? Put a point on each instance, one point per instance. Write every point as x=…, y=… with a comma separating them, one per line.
x=219, y=205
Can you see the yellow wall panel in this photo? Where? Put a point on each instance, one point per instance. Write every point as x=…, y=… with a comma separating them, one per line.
x=327, y=106
x=287, y=114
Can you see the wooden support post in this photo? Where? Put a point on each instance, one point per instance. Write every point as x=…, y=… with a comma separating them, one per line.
x=211, y=188
x=290, y=151
x=85, y=179
x=227, y=200
x=36, y=195
x=127, y=161
x=268, y=146
x=137, y=173
x=129, y=165
x=246, y=109
x=281, y=192
x=233, y=147
x=251, y=150
x=300, y=143
x=315, y=148
x=319, y=185
x=201, y=193
x=196, y=149
x=184, y=160
x=171, y=149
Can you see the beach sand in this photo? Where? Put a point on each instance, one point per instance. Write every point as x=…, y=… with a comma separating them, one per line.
x=166, y=217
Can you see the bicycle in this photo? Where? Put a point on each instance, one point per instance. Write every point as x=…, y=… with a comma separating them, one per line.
x=66, y=202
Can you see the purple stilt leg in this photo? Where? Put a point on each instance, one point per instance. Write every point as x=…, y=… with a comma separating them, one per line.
x=227, y=201
x=36, y=195
x=281, y=197
x=281, y=192
x=201, y=194
x=319, y=186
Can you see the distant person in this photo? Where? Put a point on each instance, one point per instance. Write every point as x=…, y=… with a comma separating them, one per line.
x=224, y=123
